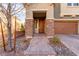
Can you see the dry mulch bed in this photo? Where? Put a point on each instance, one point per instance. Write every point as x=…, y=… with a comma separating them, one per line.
x=21, y=45
x=20, y=33
x=61, y=49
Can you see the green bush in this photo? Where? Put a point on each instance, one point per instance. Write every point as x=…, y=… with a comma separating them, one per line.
x=55, y=40
x=22, y=28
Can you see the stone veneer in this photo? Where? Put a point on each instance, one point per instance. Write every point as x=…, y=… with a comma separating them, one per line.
x=29, y=28
x=49, y=28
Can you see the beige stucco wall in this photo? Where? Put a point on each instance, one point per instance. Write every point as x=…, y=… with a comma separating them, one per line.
x=69, y=10
x=40, y=7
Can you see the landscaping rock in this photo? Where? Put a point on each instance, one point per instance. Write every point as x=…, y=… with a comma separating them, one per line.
x=62, y=50
x=21, y=45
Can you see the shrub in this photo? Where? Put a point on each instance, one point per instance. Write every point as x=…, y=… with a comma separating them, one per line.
x=22, y=28
x=55, y=40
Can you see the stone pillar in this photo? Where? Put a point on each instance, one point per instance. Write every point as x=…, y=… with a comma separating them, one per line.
x=49, y=28
x=29, y=28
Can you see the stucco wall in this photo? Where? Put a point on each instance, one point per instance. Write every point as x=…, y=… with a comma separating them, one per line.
x=69, y=10
x=40, y=7
x=57, y=10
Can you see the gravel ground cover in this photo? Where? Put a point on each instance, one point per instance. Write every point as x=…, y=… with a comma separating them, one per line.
x=21, y=45
x=61, y=49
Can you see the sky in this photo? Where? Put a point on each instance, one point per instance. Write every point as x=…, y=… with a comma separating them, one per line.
x=21, y=15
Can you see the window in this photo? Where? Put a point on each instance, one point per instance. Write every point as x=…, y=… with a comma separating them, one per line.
x=69, y=4
x=72, y=4
x=76, y=4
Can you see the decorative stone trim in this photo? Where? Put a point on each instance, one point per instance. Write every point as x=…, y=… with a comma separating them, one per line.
x=29, y=28
x=49, y=27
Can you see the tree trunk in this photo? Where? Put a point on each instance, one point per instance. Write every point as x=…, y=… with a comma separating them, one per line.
x=9, y=27
x=3, y=37
x=15, y=37
x=9, y=38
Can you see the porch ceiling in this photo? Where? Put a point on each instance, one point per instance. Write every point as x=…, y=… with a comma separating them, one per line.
x=39, y=14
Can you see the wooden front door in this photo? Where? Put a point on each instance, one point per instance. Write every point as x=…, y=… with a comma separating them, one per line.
x=41, y=25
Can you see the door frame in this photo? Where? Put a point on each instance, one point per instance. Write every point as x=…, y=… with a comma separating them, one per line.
x=43, y=11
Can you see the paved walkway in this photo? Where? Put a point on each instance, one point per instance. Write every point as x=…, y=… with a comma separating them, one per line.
x=39, y=46
x=71, y=42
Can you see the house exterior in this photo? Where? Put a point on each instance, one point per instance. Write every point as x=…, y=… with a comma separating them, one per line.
x=51, y=18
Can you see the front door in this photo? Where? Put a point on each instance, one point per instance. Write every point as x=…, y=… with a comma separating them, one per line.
x=41, y=25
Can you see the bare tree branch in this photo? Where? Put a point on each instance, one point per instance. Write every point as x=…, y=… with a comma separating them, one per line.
x=3, y=22
x=3, y=18
x=17, y=11
x=14, y=6
x=3, y=9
